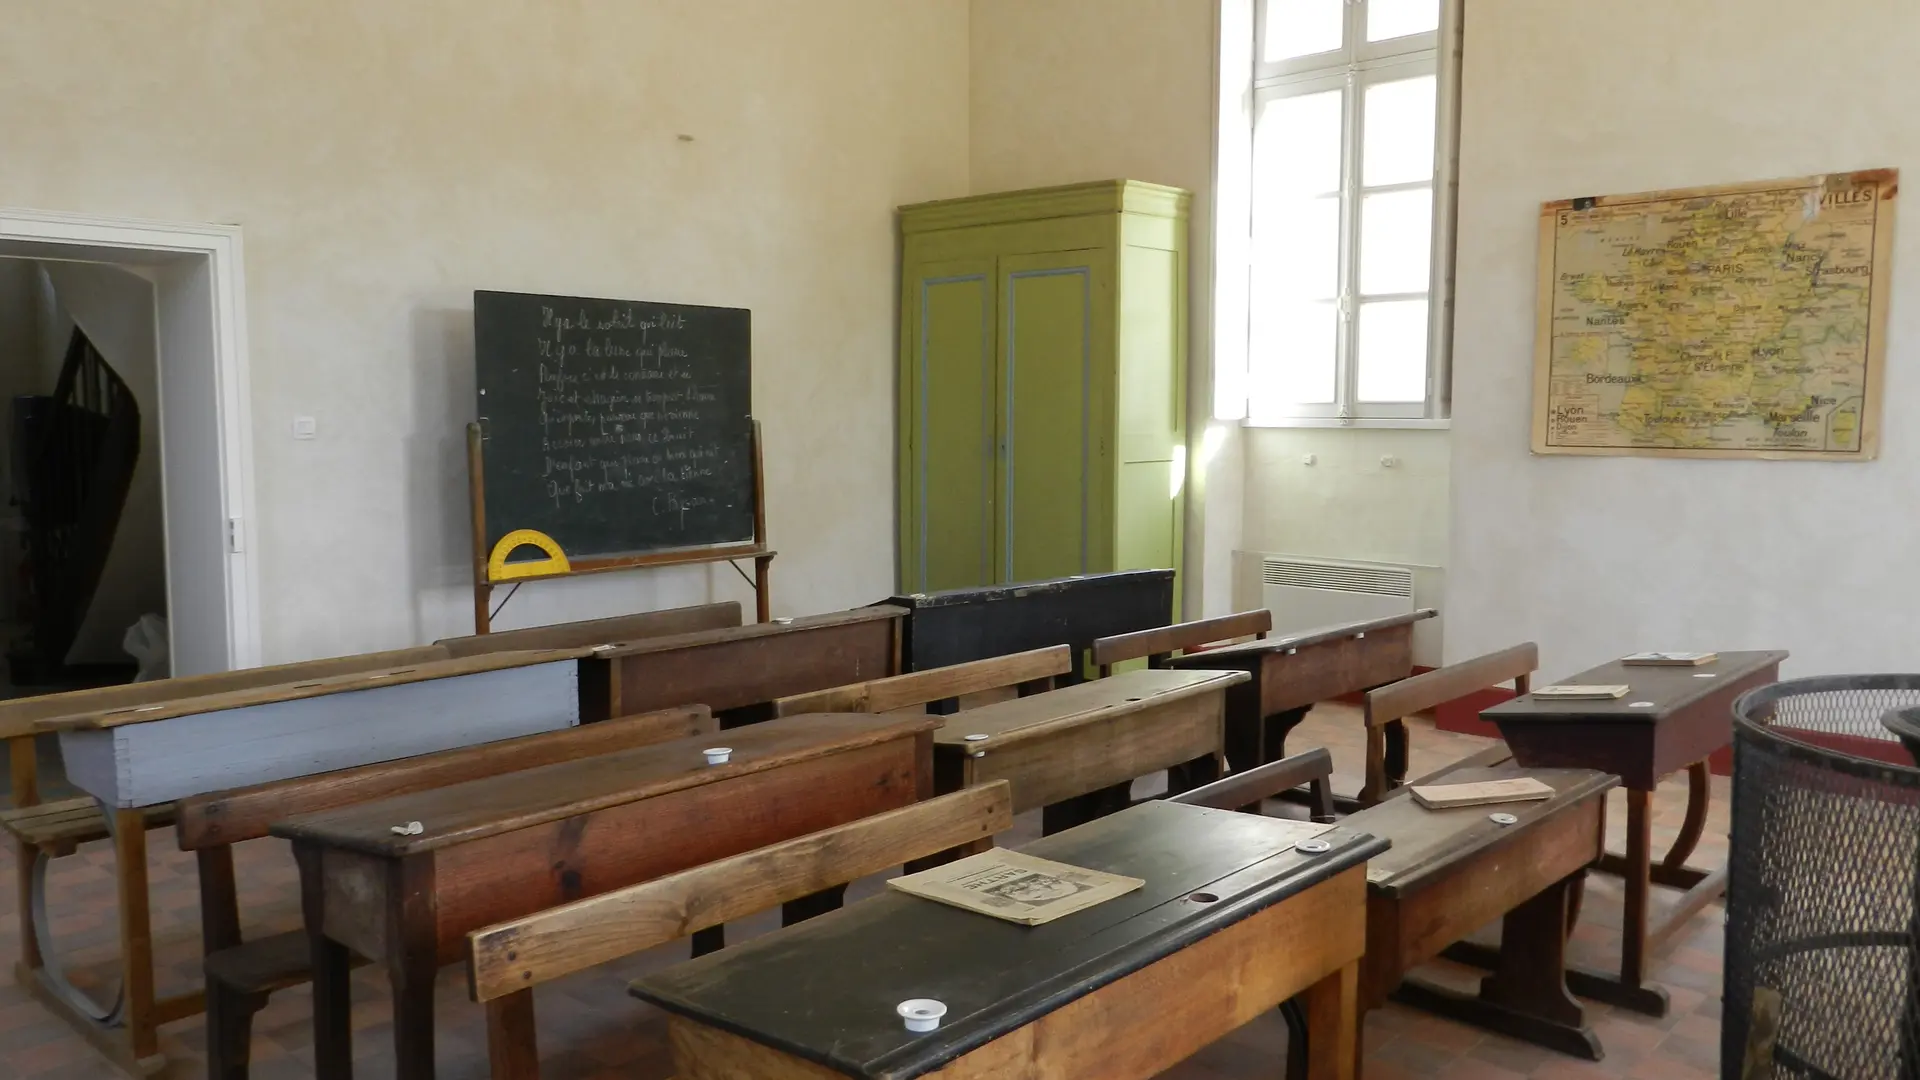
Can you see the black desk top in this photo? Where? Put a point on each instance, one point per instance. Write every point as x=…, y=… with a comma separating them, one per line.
x=826, y=990
x=1669, y=689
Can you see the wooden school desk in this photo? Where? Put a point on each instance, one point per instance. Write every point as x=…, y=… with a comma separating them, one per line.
x=1076, y=750
x=508, y=846
x=737, y=671
x=1450, y=872
x=137, y=759
x=240, y=974
x=1292, y=673
x=1672, y=719
x=1233, y=921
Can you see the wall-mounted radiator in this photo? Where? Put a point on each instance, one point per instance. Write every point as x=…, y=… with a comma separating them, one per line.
x=1304, y=593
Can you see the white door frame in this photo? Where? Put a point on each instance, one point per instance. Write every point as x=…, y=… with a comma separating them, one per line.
x=131, y=240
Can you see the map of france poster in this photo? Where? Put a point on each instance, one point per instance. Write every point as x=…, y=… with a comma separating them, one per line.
x=1745, y=321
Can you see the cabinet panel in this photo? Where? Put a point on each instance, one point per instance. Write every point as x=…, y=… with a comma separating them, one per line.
x=952, y=448
x=1046, y=373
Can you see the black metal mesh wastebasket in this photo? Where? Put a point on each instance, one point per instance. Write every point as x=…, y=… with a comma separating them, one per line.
x=1823, y=885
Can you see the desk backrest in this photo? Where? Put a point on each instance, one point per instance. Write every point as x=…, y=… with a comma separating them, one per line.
x=514, y=956
x=590, y=632
x=1398, y=700
x=1245, y=790
x=1033, y=670
x=228, y=817
x=1161, y=641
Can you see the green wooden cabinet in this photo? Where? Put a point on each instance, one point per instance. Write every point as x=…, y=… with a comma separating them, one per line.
x=1042, y=384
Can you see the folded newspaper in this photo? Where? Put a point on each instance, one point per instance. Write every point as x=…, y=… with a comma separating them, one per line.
x=1015, y=887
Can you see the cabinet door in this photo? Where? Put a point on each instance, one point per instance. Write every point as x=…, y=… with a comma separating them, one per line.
x=1049, y=305
x=948, y=415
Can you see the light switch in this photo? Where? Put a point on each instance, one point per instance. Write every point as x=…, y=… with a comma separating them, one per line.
x=305, y=427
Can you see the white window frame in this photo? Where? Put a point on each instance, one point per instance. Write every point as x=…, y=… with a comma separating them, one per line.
x=1354, y=67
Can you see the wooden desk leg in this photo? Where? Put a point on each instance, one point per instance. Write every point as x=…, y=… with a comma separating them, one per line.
x=23, y=858
x=796, y=911
x=1526, y=996
x=1630, y=990
x=1637, y=884
x=1080, y=809
x=1188, y=775
x=415, y=960
x=1292, y=1011
x=332, y=999
x=1333, y=1026
x=136, y=933
x=710, y=940
x=1374, y=788
x=1273, y=734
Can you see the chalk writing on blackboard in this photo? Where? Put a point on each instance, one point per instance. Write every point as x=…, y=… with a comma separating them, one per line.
x=628, y=422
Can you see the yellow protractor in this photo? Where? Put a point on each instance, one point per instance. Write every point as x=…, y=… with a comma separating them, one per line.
x=499, y=569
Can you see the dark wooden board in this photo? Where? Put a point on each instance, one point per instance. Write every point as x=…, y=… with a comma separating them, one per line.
x=826, y=990
x=1670, y=689
x=464, y=813
x=615, y=427
x=958, y=625
x=1088, y=702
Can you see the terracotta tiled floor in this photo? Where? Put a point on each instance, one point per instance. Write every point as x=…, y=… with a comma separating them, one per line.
x=589, y=1027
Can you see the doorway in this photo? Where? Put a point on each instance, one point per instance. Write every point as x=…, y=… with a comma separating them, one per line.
x=196, y=426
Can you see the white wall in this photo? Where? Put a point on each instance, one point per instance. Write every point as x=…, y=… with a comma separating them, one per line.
x=1065, y=91
x=387, y=159
x=1350, y=503
x=1599, y=556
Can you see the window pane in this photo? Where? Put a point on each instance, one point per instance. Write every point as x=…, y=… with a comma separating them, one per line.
x=1303, y=27
x=1398, y=18
x=1297, y=251
x=1396, y=242
x=1296, y=144
x=1292, y=348
x=1393, y=351
x=1399, y=126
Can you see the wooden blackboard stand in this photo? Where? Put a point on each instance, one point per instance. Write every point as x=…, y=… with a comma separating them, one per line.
x=756, y=550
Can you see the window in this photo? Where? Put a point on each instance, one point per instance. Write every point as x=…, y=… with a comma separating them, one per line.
x=1347, y=285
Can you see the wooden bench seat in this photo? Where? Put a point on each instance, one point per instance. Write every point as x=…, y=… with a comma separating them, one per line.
x=59, y=827
x=1387, y=708
x=507, y=960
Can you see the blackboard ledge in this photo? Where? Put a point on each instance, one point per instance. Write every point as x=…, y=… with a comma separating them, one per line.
x=670, y=557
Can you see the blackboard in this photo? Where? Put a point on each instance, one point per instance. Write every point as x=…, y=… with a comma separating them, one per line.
x=615, y=427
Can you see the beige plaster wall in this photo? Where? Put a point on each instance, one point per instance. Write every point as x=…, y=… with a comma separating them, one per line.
x=1595, y=557
x=386, y=159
